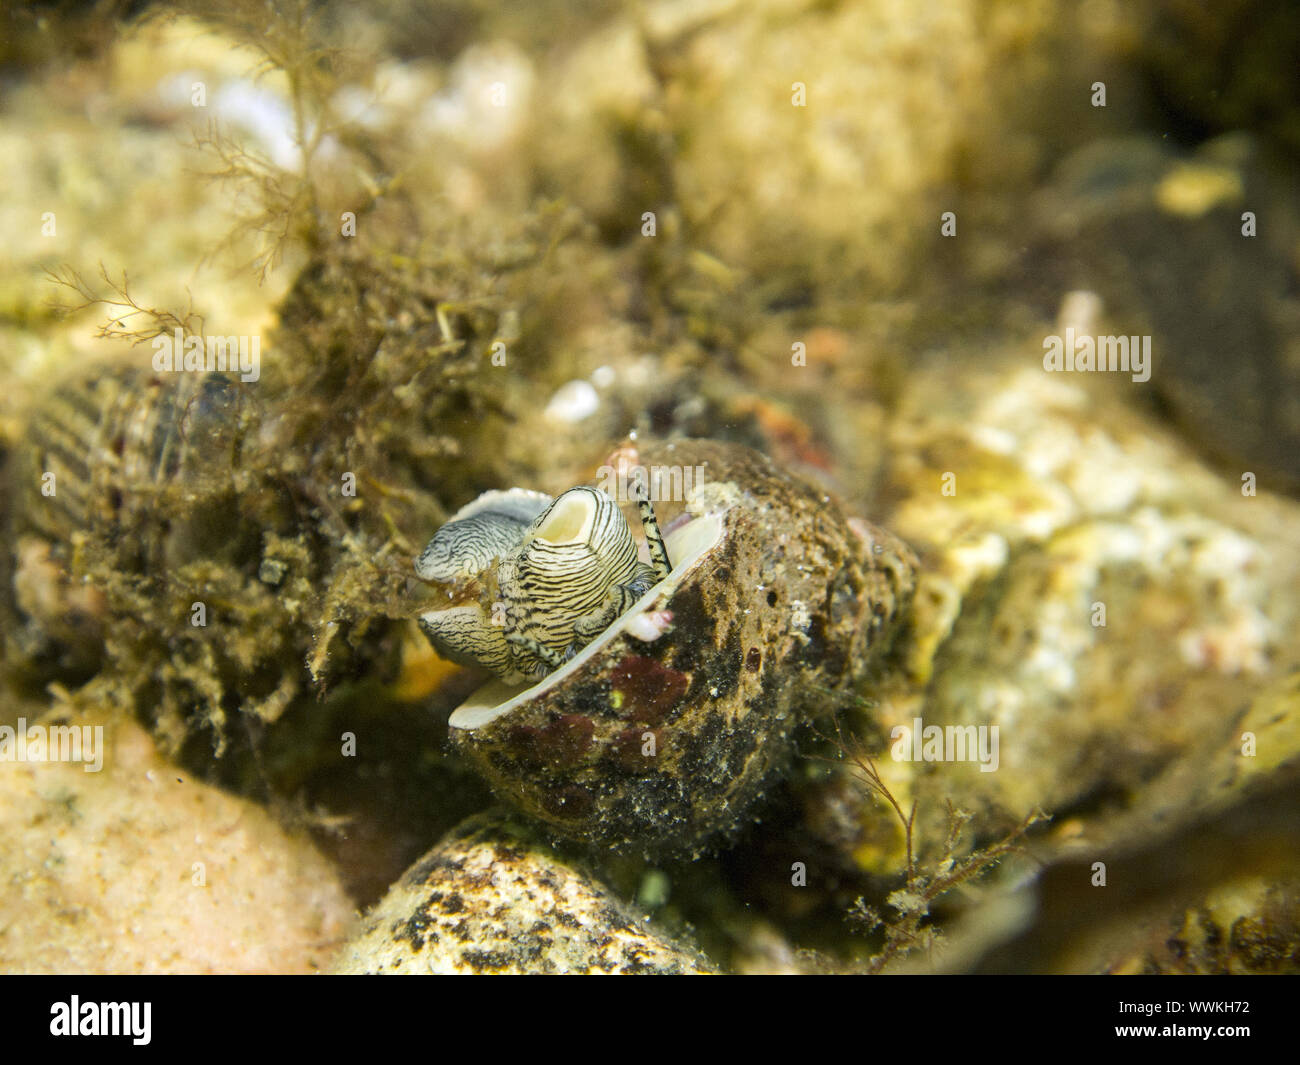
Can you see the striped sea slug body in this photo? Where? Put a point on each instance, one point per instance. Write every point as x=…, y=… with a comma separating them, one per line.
x=574, y=572
x=478, y=533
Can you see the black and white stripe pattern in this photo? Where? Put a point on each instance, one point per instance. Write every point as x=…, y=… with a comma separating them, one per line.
x=654, y=538
x=479, y=533
x=462, y=634
x=565, y=570
x=567, y=567
x=114, y=441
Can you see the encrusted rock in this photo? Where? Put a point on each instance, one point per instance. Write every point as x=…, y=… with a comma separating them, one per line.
x=491, y=899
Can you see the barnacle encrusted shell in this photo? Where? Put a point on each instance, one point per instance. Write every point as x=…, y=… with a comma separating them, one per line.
x=491, y=898
x=665, y=729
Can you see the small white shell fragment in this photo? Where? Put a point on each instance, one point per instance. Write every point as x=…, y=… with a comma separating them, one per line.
x=649, y=626
x=1080, y=310
x=572, y=403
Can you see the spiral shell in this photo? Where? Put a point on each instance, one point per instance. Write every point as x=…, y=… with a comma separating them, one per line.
x=101, y=452
x=138, y=463
x=558, y=583
x=665, y=730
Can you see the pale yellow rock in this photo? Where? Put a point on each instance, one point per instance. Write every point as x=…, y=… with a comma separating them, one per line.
x=799, y=138
x=139, y=868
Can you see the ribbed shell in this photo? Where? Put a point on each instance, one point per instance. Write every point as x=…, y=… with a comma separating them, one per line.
x=548, y=583
x=479, y=533
x=114, y=441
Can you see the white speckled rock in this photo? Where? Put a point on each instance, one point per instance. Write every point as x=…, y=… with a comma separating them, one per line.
x=1092, y=589
x=489, y=899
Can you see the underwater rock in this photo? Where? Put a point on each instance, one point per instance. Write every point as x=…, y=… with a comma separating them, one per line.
x=490, y=898
x=204, y=882
x=1197, y=251
x=1096, y=607
x=1247, y=926
x=1228, y=873
x=679, y=107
